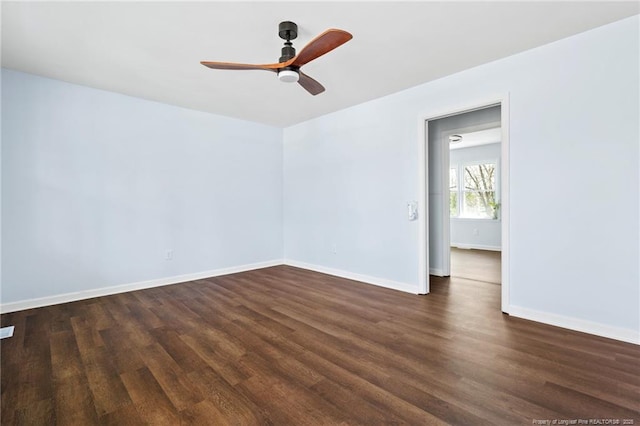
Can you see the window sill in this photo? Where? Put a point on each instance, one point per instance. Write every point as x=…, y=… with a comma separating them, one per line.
x=474, y=219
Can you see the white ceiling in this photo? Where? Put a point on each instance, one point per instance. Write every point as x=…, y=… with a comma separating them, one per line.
x=481, y=137
x=152, y=50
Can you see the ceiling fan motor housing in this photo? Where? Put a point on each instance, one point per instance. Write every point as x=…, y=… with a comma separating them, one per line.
x=287, y=31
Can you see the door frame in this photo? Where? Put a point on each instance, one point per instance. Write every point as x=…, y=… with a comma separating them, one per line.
x=423, y=185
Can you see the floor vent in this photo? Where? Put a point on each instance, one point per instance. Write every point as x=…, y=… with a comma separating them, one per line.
x=6, y=332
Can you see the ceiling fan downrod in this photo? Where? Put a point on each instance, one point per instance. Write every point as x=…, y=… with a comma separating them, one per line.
x=288, y=31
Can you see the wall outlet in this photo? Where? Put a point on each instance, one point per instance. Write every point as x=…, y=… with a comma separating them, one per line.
x=334, y=248
x=476, y=231
x=168, y=255
x=412, y=210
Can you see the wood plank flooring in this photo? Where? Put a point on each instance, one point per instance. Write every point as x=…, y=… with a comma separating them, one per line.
x=479, y=265
x=285, y=346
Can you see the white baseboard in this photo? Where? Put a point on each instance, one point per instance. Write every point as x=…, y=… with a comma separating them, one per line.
x=436, y=271
x=603, y=330
x=476, y=247
x=380, y=282
x=106, y=291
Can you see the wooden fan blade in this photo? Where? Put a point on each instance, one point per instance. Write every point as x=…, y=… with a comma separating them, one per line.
x=324, y=43
x=234, y=66
x=310, y=84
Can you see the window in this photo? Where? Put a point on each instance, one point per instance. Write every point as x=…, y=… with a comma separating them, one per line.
x=453, y=191
x=476, y=197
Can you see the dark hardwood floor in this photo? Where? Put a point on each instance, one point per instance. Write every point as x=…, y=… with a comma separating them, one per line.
x=285, y=346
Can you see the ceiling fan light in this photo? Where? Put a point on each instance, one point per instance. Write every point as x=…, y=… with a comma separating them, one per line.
x=288, y=76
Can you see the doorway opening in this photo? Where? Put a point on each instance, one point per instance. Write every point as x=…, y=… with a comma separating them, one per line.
x=471, y=250
x=465, y=203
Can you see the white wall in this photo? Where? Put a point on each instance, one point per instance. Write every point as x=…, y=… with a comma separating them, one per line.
x=96, y=186
x=347, y=179
x=573, y=124
x=477, y=233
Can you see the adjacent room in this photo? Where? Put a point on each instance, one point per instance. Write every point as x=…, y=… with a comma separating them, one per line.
x=422, y=213
x=474, y=205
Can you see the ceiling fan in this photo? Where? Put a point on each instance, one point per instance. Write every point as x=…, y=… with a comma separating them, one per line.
x=288, y=67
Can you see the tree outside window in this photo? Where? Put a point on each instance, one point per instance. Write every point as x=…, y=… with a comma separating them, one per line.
x=477, y=197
